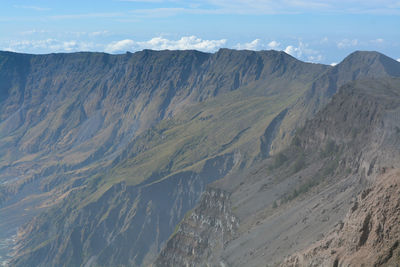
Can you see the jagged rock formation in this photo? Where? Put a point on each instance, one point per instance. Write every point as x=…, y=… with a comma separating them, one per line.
x=369, y=234
x=289, y=201
x=209, y=226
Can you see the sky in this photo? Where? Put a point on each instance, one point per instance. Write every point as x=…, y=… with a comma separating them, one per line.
x=319, y=31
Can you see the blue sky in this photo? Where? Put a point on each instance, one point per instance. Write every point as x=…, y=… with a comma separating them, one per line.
x=315, y=31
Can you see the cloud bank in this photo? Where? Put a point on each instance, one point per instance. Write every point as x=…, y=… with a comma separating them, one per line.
x=303, y=51
x=160, y=43
x=254, y=45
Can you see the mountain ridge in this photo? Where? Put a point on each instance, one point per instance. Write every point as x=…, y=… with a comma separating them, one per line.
x=166, y=133
x=355, y=66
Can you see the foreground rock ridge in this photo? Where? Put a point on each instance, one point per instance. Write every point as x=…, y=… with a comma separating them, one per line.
x=184, y=158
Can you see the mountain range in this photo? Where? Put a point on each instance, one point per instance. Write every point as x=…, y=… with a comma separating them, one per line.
x=184, y=158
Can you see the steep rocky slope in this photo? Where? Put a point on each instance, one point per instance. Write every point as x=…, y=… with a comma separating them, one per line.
x=357, y=66
x=295, y=198
x=200, y=233
x=79, y=108
x=122, y=227
x=369, y=234
x=113, y=156
x=90, y=121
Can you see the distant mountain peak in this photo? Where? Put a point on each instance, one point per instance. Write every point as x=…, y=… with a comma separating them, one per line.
x=370, y=57
x=372, y=64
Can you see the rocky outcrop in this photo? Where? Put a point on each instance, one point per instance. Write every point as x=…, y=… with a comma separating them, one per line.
x=369, y=234
x=205, y=229
x=270, y=134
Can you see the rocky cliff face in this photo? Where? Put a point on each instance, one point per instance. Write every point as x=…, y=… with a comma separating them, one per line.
x=357, y=66
x=290, y=201
x=207, y=227
x=369, y=234
x=363, y=120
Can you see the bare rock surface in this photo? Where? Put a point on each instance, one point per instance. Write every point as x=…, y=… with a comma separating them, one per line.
x=369, y=234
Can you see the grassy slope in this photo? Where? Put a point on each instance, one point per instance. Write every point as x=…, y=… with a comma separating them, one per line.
x=197, y=134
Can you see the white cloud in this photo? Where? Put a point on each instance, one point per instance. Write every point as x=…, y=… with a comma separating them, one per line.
x=120, y=46
x=304, y=52
x=274, y=45
x=347, y=43
x=333, y=64
x=258, y=45
x=398, y=60
x=293, y=51
x=160, y=43
x=254, y=45
x=186, y=42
